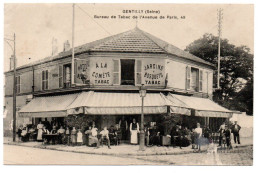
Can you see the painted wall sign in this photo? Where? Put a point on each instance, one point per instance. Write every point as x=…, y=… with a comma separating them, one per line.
x=82, y=71
x=101, y=71
x=153, y=72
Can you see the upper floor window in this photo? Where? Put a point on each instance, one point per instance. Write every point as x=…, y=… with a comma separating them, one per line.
x=127, y=72
x=194, y=79
x=65, y=76
x=45, y=79
x=18, y=84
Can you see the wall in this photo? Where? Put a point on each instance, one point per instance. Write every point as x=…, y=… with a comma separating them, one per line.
x=177, y=76
x=8, y=102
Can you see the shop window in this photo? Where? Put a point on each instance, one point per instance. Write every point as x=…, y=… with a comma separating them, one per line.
x=45, y=79
x=127, y=72
x=18, y=84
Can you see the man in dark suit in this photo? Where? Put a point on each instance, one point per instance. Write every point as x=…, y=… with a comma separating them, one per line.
x=235, y=130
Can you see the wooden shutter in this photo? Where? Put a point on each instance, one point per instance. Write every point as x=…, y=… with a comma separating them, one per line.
x=200, y=80
x=60, y=76
x=138, y=72
x=188, y=74
x=47, y=79
x=43, y=78
x=116, y=74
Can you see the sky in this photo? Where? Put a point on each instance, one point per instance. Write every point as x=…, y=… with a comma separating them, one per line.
x=35, y=25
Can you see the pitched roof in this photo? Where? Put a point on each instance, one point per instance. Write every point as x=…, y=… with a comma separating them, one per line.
x=134, y=40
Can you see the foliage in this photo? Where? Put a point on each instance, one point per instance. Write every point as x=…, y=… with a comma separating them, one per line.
x=236, y=71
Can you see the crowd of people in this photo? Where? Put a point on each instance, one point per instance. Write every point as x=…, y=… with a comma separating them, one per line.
x=180, y=135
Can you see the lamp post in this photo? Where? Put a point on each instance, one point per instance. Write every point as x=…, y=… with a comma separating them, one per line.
x=142, y=93
x=14, y=84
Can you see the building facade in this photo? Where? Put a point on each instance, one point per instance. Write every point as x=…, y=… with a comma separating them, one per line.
x=117, y=64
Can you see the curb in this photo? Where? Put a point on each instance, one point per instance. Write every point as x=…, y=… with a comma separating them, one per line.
x=122, y=154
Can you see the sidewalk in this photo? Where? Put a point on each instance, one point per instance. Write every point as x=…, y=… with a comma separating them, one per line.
x=121, y=150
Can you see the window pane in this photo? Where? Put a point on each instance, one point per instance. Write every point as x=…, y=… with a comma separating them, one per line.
x=43, y=75
x=46, y=75
x=200, y=85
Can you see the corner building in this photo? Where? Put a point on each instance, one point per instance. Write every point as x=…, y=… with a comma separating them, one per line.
x=108, y=74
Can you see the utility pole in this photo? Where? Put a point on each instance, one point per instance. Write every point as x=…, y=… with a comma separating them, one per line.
x=220, y=17
x=72, y=61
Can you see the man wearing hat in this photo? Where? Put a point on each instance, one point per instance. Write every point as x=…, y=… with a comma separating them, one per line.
x=235, y=130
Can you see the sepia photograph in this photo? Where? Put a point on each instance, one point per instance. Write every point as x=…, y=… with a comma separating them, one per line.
x=128, y=84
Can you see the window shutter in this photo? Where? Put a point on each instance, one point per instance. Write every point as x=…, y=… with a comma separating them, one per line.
x=60, y=76
x=43, y=78
x=47, y=79
x=138, y=72
x=116, y=72
x=188, y=73
x=200, y=79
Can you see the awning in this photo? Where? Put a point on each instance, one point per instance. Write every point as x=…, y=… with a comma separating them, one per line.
x=108, y=103
x=52, y=106
x=203, y=107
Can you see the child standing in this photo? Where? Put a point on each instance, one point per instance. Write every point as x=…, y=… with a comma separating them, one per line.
x=67, y=135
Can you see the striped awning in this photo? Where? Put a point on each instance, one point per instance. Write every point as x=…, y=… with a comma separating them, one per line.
x=106, y=103
x=203, y=107
x=52, y=106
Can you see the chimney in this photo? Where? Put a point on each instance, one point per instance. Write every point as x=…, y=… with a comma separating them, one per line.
x=66, y=46
x=54, y=46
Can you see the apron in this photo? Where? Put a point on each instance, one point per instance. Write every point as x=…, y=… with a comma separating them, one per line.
x=134, y=137
x=39, y=135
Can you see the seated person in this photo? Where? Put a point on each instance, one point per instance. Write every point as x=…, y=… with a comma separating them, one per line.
x=45, y=132
x=154, y=137
x=54, y=130
x=24, y=134
x=105, y=136
x=93, y=140
x=186, y=137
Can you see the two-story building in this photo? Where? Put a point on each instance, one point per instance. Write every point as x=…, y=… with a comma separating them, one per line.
x=107, y=75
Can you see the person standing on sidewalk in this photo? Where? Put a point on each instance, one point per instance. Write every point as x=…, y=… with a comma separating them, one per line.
x=198, y=132
x=235, y=130
x=134, y=130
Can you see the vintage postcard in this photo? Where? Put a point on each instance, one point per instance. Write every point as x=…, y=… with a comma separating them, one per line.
x=128, y=84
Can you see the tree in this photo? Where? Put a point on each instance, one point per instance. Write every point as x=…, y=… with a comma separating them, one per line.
x=236, y=70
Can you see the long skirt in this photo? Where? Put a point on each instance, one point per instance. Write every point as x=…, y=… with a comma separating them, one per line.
x=73, y=139
x=39, y=135
x=134, y=137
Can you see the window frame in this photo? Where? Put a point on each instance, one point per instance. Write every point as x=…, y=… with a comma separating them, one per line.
x=45, y=82
x=138, y=72
x=118, y=72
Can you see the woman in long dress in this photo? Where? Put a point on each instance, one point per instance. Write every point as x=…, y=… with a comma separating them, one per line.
x=39, y=127
x=134, y=130
x=73, y=136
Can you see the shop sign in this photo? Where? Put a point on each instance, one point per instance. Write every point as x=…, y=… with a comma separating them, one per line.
x=101, y=72
x=154, y=72
x=82, y=71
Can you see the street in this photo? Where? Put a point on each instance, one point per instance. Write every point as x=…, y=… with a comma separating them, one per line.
x=34, y=156
x=12, y=155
